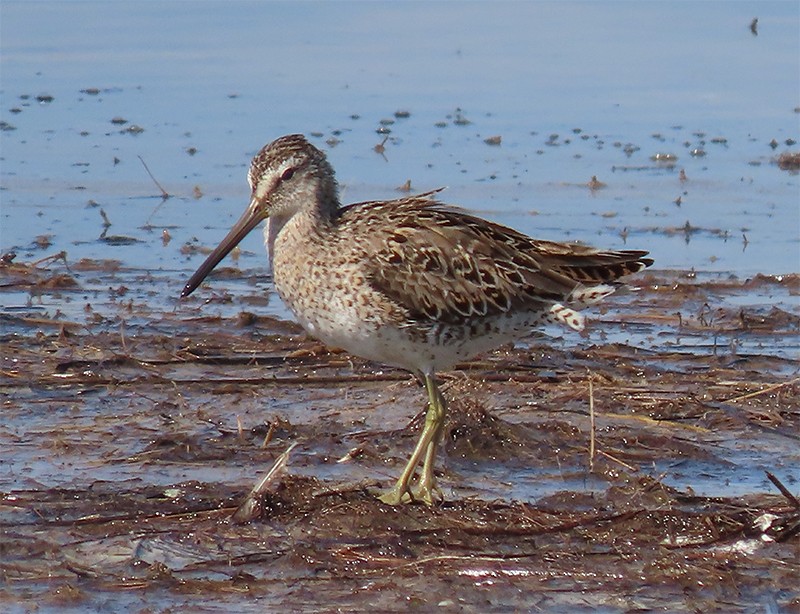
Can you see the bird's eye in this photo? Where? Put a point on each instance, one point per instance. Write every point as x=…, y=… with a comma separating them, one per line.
x=287, y=174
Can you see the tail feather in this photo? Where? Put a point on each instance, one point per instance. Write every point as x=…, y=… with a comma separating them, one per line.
x=598, y=271
x=559, y=314
x=583, y=296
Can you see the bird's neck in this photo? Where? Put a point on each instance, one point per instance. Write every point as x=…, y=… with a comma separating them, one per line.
x=307, y=223
x=326, y=202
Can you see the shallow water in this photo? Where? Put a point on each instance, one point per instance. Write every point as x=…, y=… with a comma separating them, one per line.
x=91, y=91
x=575, y=91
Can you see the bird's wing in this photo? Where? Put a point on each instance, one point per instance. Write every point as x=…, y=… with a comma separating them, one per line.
x=442, y=264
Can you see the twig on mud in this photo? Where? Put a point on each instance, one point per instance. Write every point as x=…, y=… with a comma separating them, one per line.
x=616, y=460
x=164, y=194
x=750, y=395
x=270, y=434
x=251, y=508
x=784, y=491
x=591, y=425
x=122, y=336
x=470, y=558
x=662, y=423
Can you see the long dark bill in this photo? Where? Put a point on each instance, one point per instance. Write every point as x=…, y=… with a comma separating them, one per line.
x=251, y=218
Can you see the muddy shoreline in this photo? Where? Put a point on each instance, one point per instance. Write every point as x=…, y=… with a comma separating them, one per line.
x=133, y=436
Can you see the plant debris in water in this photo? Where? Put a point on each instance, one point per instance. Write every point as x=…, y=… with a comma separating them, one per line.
x=214, y=459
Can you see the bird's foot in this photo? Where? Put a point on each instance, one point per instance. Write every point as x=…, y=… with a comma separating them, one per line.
x=425, y=491
x=397, y=495
x=428, y=490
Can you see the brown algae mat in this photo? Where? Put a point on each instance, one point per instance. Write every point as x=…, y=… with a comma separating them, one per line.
x=580, y=474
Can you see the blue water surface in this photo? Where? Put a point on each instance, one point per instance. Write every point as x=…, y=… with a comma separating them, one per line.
x=567, y=86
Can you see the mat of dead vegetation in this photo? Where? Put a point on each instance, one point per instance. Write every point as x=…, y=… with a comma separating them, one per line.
x=157, y=458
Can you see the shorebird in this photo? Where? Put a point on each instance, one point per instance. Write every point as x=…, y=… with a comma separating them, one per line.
x=412, y=282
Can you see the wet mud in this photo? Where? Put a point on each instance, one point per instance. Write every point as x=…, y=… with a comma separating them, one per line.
x=214, y=462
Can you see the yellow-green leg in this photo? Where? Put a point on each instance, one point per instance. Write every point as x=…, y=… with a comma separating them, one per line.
x=427, y=484
x=428, y=442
